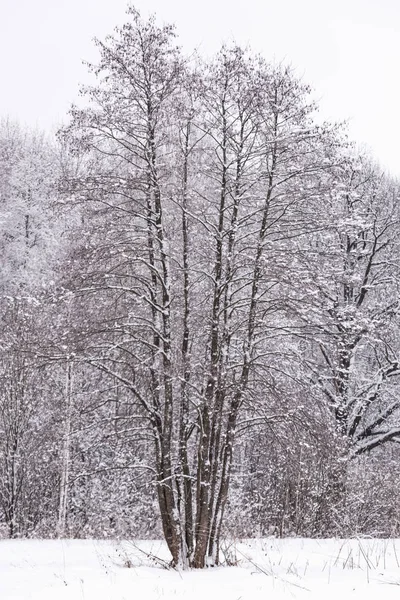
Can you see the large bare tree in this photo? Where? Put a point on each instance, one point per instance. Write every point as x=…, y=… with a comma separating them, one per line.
x=197, y=178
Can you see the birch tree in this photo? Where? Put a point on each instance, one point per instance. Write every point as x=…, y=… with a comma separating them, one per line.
x=356, y=276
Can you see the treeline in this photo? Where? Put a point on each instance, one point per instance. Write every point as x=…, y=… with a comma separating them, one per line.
x=199, y=302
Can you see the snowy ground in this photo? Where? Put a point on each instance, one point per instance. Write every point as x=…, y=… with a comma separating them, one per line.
x=267, y=569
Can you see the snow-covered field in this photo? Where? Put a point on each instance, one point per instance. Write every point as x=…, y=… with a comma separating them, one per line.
x=268, y=569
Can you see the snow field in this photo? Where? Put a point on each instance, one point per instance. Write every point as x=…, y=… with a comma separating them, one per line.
x=267, y=569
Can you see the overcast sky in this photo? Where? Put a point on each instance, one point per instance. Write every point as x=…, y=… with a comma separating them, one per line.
x=348, y=50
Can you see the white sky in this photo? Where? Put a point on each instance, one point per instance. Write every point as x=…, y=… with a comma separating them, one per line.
x=348, y=50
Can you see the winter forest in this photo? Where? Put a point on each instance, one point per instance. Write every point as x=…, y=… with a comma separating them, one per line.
x=199, y=305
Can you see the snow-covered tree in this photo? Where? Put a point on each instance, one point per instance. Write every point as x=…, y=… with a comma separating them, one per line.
x=197, y=178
